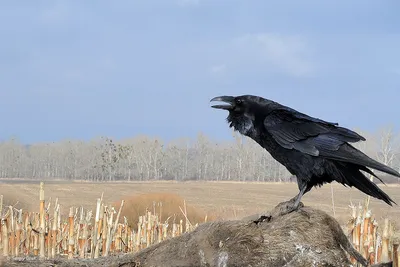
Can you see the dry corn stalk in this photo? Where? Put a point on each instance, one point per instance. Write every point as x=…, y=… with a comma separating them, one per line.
x=385, y=242
x=41, y=218
x=50, y=234
x=71, y=234
x=375, y=246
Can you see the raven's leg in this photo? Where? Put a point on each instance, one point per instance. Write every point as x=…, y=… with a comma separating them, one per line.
x=294, y=203
x=304, y=189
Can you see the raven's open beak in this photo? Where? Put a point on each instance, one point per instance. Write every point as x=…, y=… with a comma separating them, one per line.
x=229, y=100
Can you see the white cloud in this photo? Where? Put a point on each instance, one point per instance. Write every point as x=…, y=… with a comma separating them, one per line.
x=288, y=53
x=218, y=68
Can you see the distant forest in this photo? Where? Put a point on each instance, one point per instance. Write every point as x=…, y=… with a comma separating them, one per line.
x=145, y=158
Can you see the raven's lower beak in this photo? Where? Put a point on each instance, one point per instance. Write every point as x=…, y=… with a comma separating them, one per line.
x=230, y=100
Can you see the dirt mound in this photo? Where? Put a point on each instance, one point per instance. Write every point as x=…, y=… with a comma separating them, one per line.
x=308, y=237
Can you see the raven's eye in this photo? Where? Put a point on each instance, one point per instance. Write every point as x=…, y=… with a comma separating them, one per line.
x=238, y=101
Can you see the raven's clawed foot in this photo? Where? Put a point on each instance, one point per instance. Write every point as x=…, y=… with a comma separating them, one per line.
x=281, y=209
x=286, y=207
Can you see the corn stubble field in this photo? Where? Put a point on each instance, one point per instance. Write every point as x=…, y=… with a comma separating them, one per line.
x=89, y=220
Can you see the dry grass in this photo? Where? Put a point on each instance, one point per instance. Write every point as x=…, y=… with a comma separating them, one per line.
x=78, y=234
x=168, y=206
x=228, y=200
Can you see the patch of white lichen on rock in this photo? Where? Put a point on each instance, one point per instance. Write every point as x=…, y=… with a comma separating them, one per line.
x=223, y=259
x=203, y=261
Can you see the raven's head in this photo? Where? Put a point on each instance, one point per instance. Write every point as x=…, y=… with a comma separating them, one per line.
x=244, y=111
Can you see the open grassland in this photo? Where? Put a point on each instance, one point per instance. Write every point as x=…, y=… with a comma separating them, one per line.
x=223, y=200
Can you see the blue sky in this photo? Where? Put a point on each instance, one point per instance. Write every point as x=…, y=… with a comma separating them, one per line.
x=81, y=69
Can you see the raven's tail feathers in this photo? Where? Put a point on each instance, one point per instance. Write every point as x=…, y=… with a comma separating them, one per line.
x=360, y=158
x=350, y=174
x=382, y=167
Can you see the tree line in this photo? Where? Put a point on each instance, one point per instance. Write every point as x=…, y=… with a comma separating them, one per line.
x=146, y=158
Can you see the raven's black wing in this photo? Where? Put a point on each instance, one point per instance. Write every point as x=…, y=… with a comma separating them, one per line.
x=294, y=130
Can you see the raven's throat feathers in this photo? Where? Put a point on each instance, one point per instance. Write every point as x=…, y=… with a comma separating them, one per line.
x=243, y=124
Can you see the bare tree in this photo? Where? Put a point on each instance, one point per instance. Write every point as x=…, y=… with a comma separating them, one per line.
x=145, y=158
x=387, y=146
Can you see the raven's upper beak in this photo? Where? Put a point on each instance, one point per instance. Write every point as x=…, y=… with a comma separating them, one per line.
x=230, y=100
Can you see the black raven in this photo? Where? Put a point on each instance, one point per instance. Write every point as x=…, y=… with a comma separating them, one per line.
x=315, y=151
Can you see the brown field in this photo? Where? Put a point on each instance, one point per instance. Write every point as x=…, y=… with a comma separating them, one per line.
x=227, y=200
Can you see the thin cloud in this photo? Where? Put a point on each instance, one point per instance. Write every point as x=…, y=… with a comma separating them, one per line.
x=218, y=68
x=285, y=52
